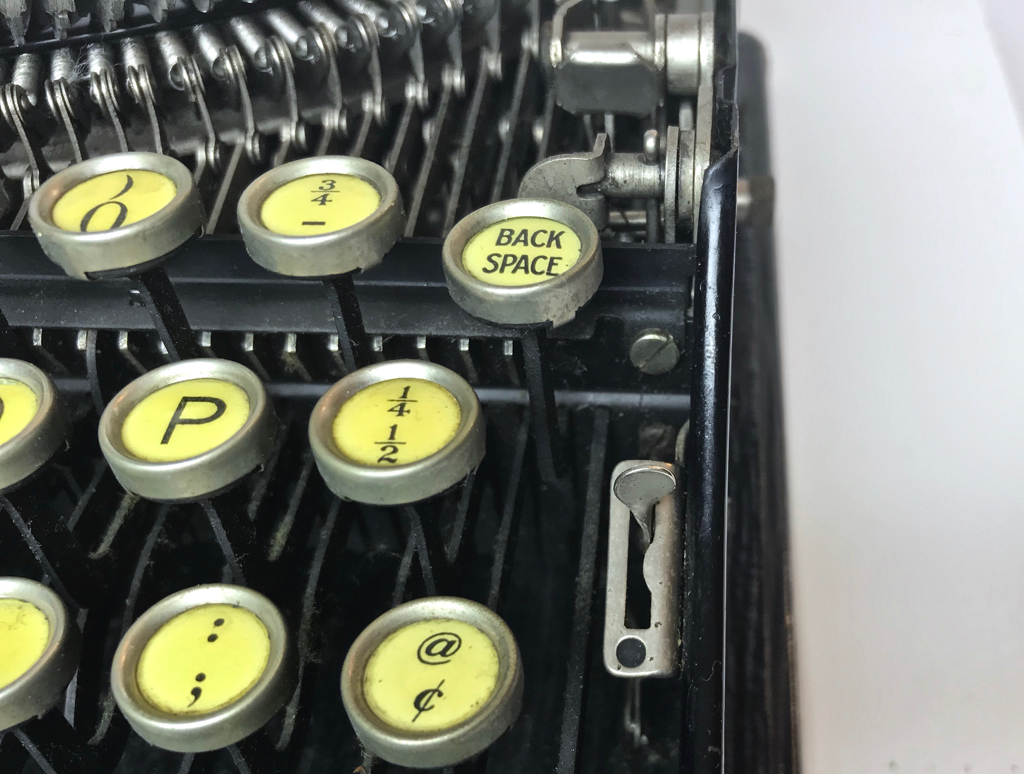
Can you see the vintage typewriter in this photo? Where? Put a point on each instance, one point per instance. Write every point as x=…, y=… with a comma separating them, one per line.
x=386, y=385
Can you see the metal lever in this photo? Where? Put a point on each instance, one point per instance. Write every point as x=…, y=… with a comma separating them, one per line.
x=663, y=173
x=640, y=488
x=644, y=490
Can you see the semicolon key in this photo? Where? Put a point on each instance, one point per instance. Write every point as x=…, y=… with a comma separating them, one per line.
x=433, y=682
x=204, y=668
x=326, y=218
x=123, y=215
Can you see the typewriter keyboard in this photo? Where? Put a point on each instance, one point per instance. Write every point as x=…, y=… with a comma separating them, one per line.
x=364, y=385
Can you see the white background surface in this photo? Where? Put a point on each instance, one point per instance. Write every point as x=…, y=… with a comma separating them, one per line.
x=899, y=165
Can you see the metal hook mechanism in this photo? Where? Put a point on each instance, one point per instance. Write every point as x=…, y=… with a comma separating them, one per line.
x=647, y=491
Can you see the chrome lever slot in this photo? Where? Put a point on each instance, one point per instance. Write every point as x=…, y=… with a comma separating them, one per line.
x=649, y=493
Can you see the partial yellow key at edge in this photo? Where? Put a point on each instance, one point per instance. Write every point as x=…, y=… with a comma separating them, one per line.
x=18, y=406
x=24, y=635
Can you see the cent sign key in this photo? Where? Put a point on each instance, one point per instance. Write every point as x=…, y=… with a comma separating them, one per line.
x=433, y=682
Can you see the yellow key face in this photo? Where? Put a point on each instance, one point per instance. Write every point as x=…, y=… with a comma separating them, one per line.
x=24, y=635
x=203, y=659
x=396, y=422
x=521, y=251
x=184, y=420
x=113, y=200
x=18, y=406
x=431, y=675
x=318, y=204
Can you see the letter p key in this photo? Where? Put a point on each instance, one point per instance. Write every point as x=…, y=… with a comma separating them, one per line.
x=185, y=419
x=219, y=407
x=188, y=430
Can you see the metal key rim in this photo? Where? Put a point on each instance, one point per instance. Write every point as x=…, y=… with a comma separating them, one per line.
x=227, y=725
x=44, y=435
x=138, y=244
x=204, y=474
x=463, y=740
x=40, y=687
x=555, y=301
x=411, y=481
x=353, y=248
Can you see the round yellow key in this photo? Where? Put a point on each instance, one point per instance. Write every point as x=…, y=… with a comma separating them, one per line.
x=319, y=204
x=521, y=251
x=24, y=635
x=113, y=200
x=396, y=422
x=431, y=675
x=203, y=659
x=18, y=406
x=184, y=420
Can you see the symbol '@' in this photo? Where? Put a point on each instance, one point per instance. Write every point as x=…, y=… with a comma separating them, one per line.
x=439, y=648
